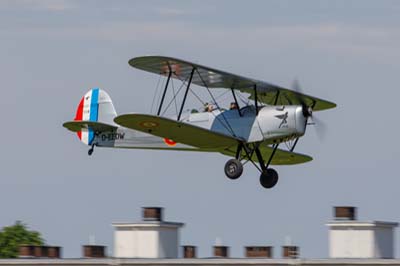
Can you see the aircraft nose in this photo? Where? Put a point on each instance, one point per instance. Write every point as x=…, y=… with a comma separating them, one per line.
x=301, y=121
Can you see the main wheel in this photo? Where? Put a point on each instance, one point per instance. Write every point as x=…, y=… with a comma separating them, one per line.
x=90, y=151
x=233, y=169
x=269, y=178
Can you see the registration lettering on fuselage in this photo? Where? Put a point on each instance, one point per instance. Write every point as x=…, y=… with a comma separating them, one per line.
x=112, y=136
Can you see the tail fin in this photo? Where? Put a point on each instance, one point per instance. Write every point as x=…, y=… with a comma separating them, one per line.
x=95, y=106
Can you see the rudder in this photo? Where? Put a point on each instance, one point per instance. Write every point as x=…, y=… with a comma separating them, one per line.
x=95, y=106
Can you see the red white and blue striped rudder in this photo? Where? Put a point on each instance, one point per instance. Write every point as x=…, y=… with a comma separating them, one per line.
x=95, y=106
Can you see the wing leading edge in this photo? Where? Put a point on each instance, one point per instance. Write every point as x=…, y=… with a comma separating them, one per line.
x=213, y=78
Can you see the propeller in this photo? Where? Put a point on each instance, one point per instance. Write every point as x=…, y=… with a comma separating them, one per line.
x=320, y=127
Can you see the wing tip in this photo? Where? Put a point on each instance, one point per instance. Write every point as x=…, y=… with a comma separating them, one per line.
x=306, y=158
x=70, y=125
x=325, y=106
x=332, y=105
x=136, y=61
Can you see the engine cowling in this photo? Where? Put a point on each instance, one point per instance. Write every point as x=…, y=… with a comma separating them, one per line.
x=280, y=123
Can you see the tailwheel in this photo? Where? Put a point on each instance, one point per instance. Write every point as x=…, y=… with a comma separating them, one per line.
x=269, y=178
x=90, y=151
x=233, y=169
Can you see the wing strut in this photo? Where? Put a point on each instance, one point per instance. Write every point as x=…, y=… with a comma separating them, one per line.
x=294, y=145
x=276, y=97
x=255, y=98
x=165, y=90
x=272, y=155
x=237, y=104
x=186, y=92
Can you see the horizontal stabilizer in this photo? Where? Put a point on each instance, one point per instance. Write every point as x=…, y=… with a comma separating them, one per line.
x=176, y=131
x=76, y=126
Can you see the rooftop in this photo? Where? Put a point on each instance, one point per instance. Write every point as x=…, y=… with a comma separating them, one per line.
x=148, y=224
x=209, y=261
x=362, y=223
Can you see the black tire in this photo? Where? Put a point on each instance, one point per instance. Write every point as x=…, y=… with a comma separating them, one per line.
x=269, y=178
x=233, y=169
x=90, y=151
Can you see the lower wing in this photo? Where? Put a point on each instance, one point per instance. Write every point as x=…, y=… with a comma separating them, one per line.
x=281, y=157
x=204, y=139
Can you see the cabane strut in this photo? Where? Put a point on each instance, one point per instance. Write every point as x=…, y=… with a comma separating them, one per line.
x=186, y=92
x=165, y=90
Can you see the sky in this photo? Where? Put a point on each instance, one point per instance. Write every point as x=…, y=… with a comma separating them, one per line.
x=53, y=51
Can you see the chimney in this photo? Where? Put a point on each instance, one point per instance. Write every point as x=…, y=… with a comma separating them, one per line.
x=37, y=251
x=32, y=251
x=54, y=252
x=189, y=252
x=345, y=213
x=152, y=214
x=258, y=251
x=94, y=251
x=290, y=252
x=26, y=251
x=45, y=251
x=221, y=251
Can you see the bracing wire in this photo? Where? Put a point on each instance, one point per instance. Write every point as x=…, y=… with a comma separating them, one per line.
x=173, y=90
x=203, y=103
x=227, y=126
x=155, y=93
x=169, y=104
x=222, y=94
x=198, y=98
x=244, y=100
x=212, y=96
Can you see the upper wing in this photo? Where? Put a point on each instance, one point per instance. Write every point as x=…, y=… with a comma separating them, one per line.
x=214, y=78
x=281, y=157
x=76, y=126
x=176, y=131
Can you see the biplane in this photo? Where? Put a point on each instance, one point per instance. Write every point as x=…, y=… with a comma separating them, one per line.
x=248, y=131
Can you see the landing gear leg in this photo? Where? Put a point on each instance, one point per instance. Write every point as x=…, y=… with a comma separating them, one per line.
x=269, y=177
x=90, y=151
x=238, y=151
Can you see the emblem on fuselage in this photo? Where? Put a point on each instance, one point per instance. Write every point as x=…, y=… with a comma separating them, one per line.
x=283, y=118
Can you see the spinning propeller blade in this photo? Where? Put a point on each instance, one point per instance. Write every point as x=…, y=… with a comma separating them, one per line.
x=320, y=127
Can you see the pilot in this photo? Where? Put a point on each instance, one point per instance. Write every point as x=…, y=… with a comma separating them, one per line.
x=208, y=107
x=233, y=106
